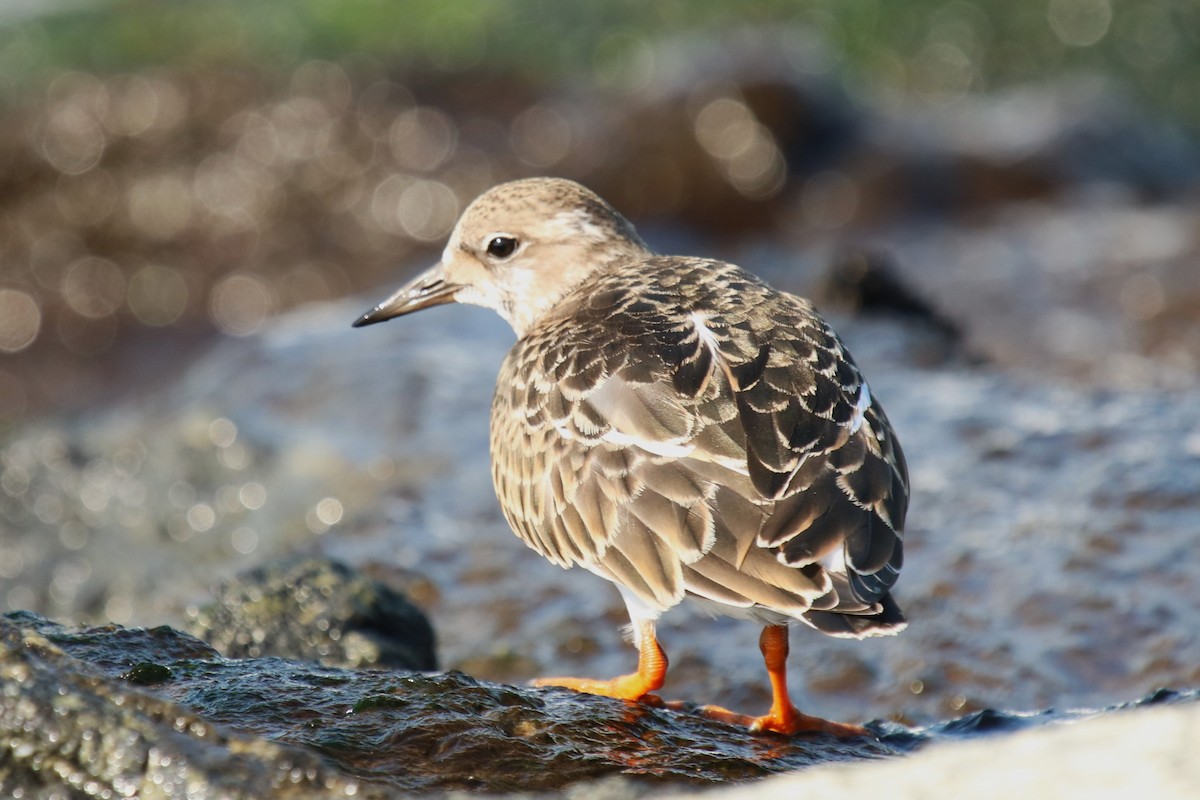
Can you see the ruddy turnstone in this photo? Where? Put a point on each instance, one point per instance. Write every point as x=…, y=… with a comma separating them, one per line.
x=676, y=426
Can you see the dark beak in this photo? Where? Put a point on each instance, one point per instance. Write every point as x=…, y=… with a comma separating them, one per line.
x=430, y=288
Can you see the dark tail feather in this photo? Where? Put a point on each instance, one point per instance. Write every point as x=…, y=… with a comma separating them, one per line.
x=890, y=620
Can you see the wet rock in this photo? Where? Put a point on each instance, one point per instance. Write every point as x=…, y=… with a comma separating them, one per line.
x=1156, y=747
x=316, y=609
x=157, y=713
x=79, y=718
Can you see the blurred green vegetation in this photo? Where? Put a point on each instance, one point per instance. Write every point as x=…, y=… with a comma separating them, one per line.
x=1151, y=47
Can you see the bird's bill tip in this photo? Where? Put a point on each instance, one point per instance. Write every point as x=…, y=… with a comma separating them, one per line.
x=369, y=318
x=430, y=288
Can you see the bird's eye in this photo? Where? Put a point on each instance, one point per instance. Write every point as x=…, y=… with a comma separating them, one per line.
x=501, y=246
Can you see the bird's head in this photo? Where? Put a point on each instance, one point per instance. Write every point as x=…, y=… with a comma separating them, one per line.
x=518, y=249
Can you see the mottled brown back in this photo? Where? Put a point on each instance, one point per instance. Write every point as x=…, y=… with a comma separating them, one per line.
x=680, y=427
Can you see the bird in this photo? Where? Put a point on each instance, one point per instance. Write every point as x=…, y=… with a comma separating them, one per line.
x=678, y=427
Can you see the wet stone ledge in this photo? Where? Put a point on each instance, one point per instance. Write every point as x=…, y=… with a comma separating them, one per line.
x=154, y=713
x=113, y=711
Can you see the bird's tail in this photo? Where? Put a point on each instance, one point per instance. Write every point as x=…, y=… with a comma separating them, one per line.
x=887, y=622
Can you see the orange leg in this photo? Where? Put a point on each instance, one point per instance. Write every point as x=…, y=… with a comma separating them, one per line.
x=783, y=716
x=651, y=672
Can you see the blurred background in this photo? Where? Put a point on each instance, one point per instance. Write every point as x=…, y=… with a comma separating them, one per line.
x=174, y=171
x=197, y=198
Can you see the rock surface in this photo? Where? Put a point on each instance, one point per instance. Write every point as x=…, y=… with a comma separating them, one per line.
x=1142, y=753
x=76, y=720
x=112, y=711
x=316, y=609
x=155, y=712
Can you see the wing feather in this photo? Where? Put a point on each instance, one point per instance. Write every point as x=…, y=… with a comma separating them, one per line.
x=702, y=433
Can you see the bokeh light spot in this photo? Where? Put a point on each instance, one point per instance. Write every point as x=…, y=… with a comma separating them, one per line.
x=240, y=304
x=141, y=106
x=1080, y=23
x=157, y=295
x=235, y=457
x=253, y=495
x=427, y=210
x=423, y=138
x=624, y=61
x=381, y=468
x=222, y=432
x=20, y=319
x=134, y=107
x=227, y=185
x=73, y=141
x=303, y=128
x=94, y=287
x=745, y=149
x=161, y=206
x=324, y=514
x=201, y=517
x=243, y=539
x=330, y=511
x=942, y=73
x=724, y=127
x=541, y=137
x=86, y=200
x=12, y=562
x=21, y=596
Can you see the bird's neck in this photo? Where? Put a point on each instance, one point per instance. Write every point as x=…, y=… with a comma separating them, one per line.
x=533, y=297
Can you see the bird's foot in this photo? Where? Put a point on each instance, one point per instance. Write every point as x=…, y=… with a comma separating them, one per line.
x=786, y=720
x=626, y=687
